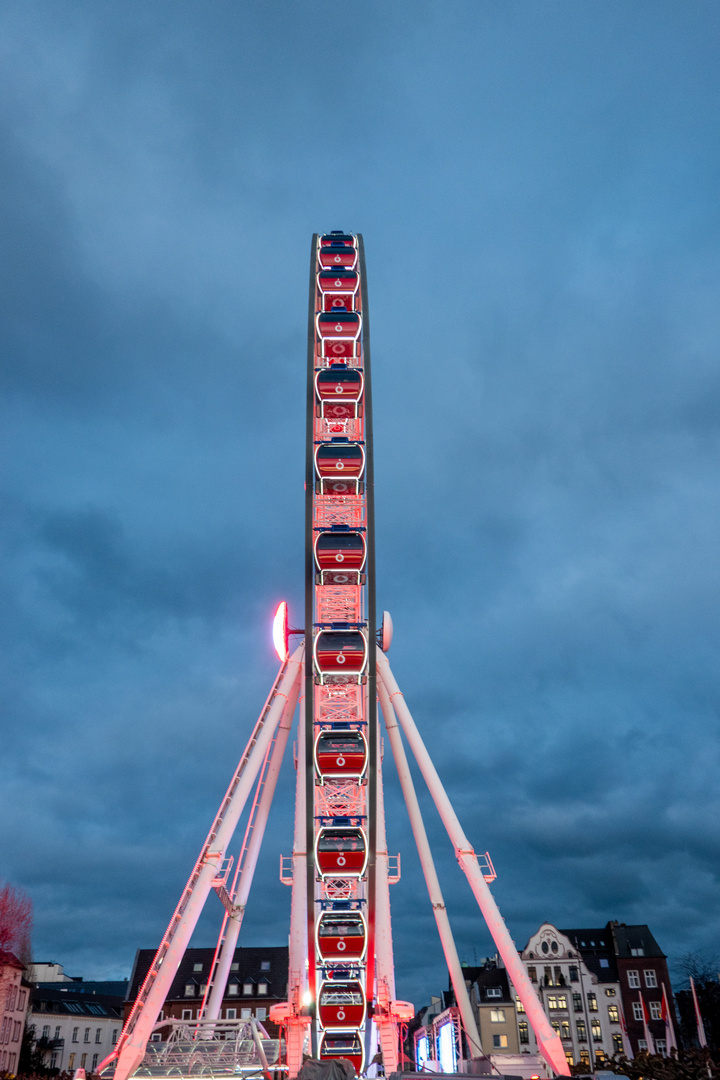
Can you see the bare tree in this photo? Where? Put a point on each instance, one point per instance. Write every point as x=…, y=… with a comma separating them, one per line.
x=16, y=919
x=701, y=967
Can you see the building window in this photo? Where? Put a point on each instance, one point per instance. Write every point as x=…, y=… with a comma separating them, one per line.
x=233, y=989
x=247, y=988
x=262, y=988
x=642, y=1044
x=264, y=965
x=519, y=1005
x=87, y=1037
x=499, y=1042
x=650, y=978
x=46, y=1031
x=186, y=1014
x=661, y=1046
x=532, y=974
x=562, y=1001
x=203, y=988
x=577, y=1002
x=235, y=967
x=261, y=1014
x=57, y=1032
x=585, y=1057
x=592, y=1002
x=547, y=978
x=71, y=1062
x=552, y=1002
x=639, y=951
x=610, y=992
x=197, y=967
x=634, y=980
x=581, y=1030
x=596, y=1030
x=245, y=1014
x=573, y=973
x=637, y=1010
x=655, y=1013
x=189, y=989
x=83, y=1059
x=555, y=1025
x=613, y=1014
x=497, y=1016
x=155, y=1036
x=565, y=1029
x=524, y=1031
x=570, y=1060
x=114, y=1035
x=231, y=1014
x=98, y=1035
x=600, y=1056
x=493, y=992
x=604, y=964
x=617, y=1043
x=94, y=1062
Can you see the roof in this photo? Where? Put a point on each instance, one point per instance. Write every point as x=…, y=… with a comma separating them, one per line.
x=597, y=950
x=633, y=941
x=249, y=960
x=490, y=978
x=9, y=959
x=67, y=1002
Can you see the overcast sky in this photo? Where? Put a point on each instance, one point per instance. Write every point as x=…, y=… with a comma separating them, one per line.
x=537, y=185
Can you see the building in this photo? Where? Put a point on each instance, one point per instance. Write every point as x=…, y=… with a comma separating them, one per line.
x=74, y=1027
x=643, y=974
x=14, y=1000
x=576, y=978
x=258, y=979
x=494, y=1004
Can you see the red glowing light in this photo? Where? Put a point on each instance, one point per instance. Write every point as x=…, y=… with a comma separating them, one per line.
x=280, y=631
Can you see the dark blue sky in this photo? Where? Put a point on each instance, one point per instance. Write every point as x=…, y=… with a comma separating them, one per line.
x=537, y=184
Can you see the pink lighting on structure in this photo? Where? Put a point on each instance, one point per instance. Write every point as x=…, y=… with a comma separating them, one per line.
x=280, y=631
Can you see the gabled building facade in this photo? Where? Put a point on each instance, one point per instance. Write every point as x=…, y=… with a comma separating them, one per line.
x=580, y=992
x=494, y=1003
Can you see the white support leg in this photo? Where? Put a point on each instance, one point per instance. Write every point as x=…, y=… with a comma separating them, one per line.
x=246, y=871
x=134, y=1037
x=549, y=1041
x=385, y=1022
x=297, y=968
x=426, y=860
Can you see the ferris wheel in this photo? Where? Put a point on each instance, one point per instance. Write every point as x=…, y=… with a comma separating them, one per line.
x=341, y=987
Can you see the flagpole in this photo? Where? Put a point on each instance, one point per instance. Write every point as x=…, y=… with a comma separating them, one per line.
x=646, y=1022
x=670, y=1040
x=698, y=1017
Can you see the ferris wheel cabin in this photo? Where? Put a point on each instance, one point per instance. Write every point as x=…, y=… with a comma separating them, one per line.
x=340, y=754
x=340, y=654
x=338, y=288
x=341, y=851
x=341, y=935
x=340, y=556
x=339, y=391
x=341, y=1004
x=342, y=1044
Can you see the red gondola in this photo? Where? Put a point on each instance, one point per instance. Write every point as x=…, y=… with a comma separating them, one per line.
x=338, y=288
x=341, y=851
x=340, y=653
x=339, y=464
x=340, y=754
x=341, y=935
x=342, y=1044
x=341, y=1004
x=339, y=333
x=340, y=557
x=337, y=254
x=339, y=389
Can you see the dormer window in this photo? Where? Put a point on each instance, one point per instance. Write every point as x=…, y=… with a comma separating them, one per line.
x=247, y=989
x=197, y=967
x=190, y=989
x=262, y=987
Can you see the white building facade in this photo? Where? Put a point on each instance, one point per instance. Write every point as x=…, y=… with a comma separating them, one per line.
x=580, y=994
